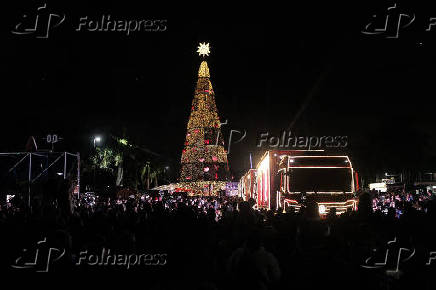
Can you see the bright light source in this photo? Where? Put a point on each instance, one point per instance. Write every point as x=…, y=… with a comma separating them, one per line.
x=322, y=209
x=380, y=186
x=167, y=167
x=97, y=139
x=264, y=165
x=203, y=49
x=59, y=173
x=292, y=160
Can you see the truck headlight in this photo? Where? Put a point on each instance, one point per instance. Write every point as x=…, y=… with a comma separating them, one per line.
x=321, y=209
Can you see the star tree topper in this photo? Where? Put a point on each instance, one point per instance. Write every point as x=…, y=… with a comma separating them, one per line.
x=203, y=49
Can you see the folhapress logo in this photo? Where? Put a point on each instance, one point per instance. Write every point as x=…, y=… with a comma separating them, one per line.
x=39, y=24
x=39, y=258
x=392, y=257
x=394, y=20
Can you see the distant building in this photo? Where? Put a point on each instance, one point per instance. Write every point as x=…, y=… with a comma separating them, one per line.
x=427, y=180
x=388, y=181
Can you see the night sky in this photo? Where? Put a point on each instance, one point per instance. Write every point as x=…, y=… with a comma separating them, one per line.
x=268, y=66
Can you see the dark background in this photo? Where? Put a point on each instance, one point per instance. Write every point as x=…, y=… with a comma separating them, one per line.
x=270, y=67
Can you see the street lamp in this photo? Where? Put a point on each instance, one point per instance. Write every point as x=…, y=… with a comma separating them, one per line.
x=166, y=169
x=97, y=139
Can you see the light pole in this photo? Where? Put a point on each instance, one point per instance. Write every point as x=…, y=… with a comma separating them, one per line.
x=95, y=140
x=166, y=169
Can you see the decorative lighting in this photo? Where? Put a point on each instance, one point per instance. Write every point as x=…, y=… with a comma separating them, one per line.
x=203, y=49
x=204, y=145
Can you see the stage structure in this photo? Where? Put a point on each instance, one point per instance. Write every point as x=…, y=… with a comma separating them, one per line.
x=204, y=166
x=20, y=171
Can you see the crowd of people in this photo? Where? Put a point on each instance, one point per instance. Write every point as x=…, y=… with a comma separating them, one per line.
x=398, y=200
x=223, y=243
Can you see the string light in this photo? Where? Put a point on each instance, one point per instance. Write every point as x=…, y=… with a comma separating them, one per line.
x=204, y=165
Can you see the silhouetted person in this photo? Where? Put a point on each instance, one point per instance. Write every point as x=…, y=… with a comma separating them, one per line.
x=364, y=207
x=311, y=211
x=332, y=214
x=252, y=267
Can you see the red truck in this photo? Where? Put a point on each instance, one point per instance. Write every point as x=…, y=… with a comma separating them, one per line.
x=247, y=185
x=289, y=178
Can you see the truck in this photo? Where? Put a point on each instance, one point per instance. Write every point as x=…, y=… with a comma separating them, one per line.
x=247, y=185
x=288, y=179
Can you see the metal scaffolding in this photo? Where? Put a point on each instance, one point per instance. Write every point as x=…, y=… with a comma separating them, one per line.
x=47, y=160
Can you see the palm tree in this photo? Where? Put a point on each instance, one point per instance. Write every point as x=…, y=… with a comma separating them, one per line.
x=129, y=164
x=145, y=174
x=150, y=174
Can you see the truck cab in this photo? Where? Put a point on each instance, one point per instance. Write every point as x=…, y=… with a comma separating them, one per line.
x=289, y=179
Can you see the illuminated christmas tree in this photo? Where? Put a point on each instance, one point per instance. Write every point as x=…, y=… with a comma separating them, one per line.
x=204, y=160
